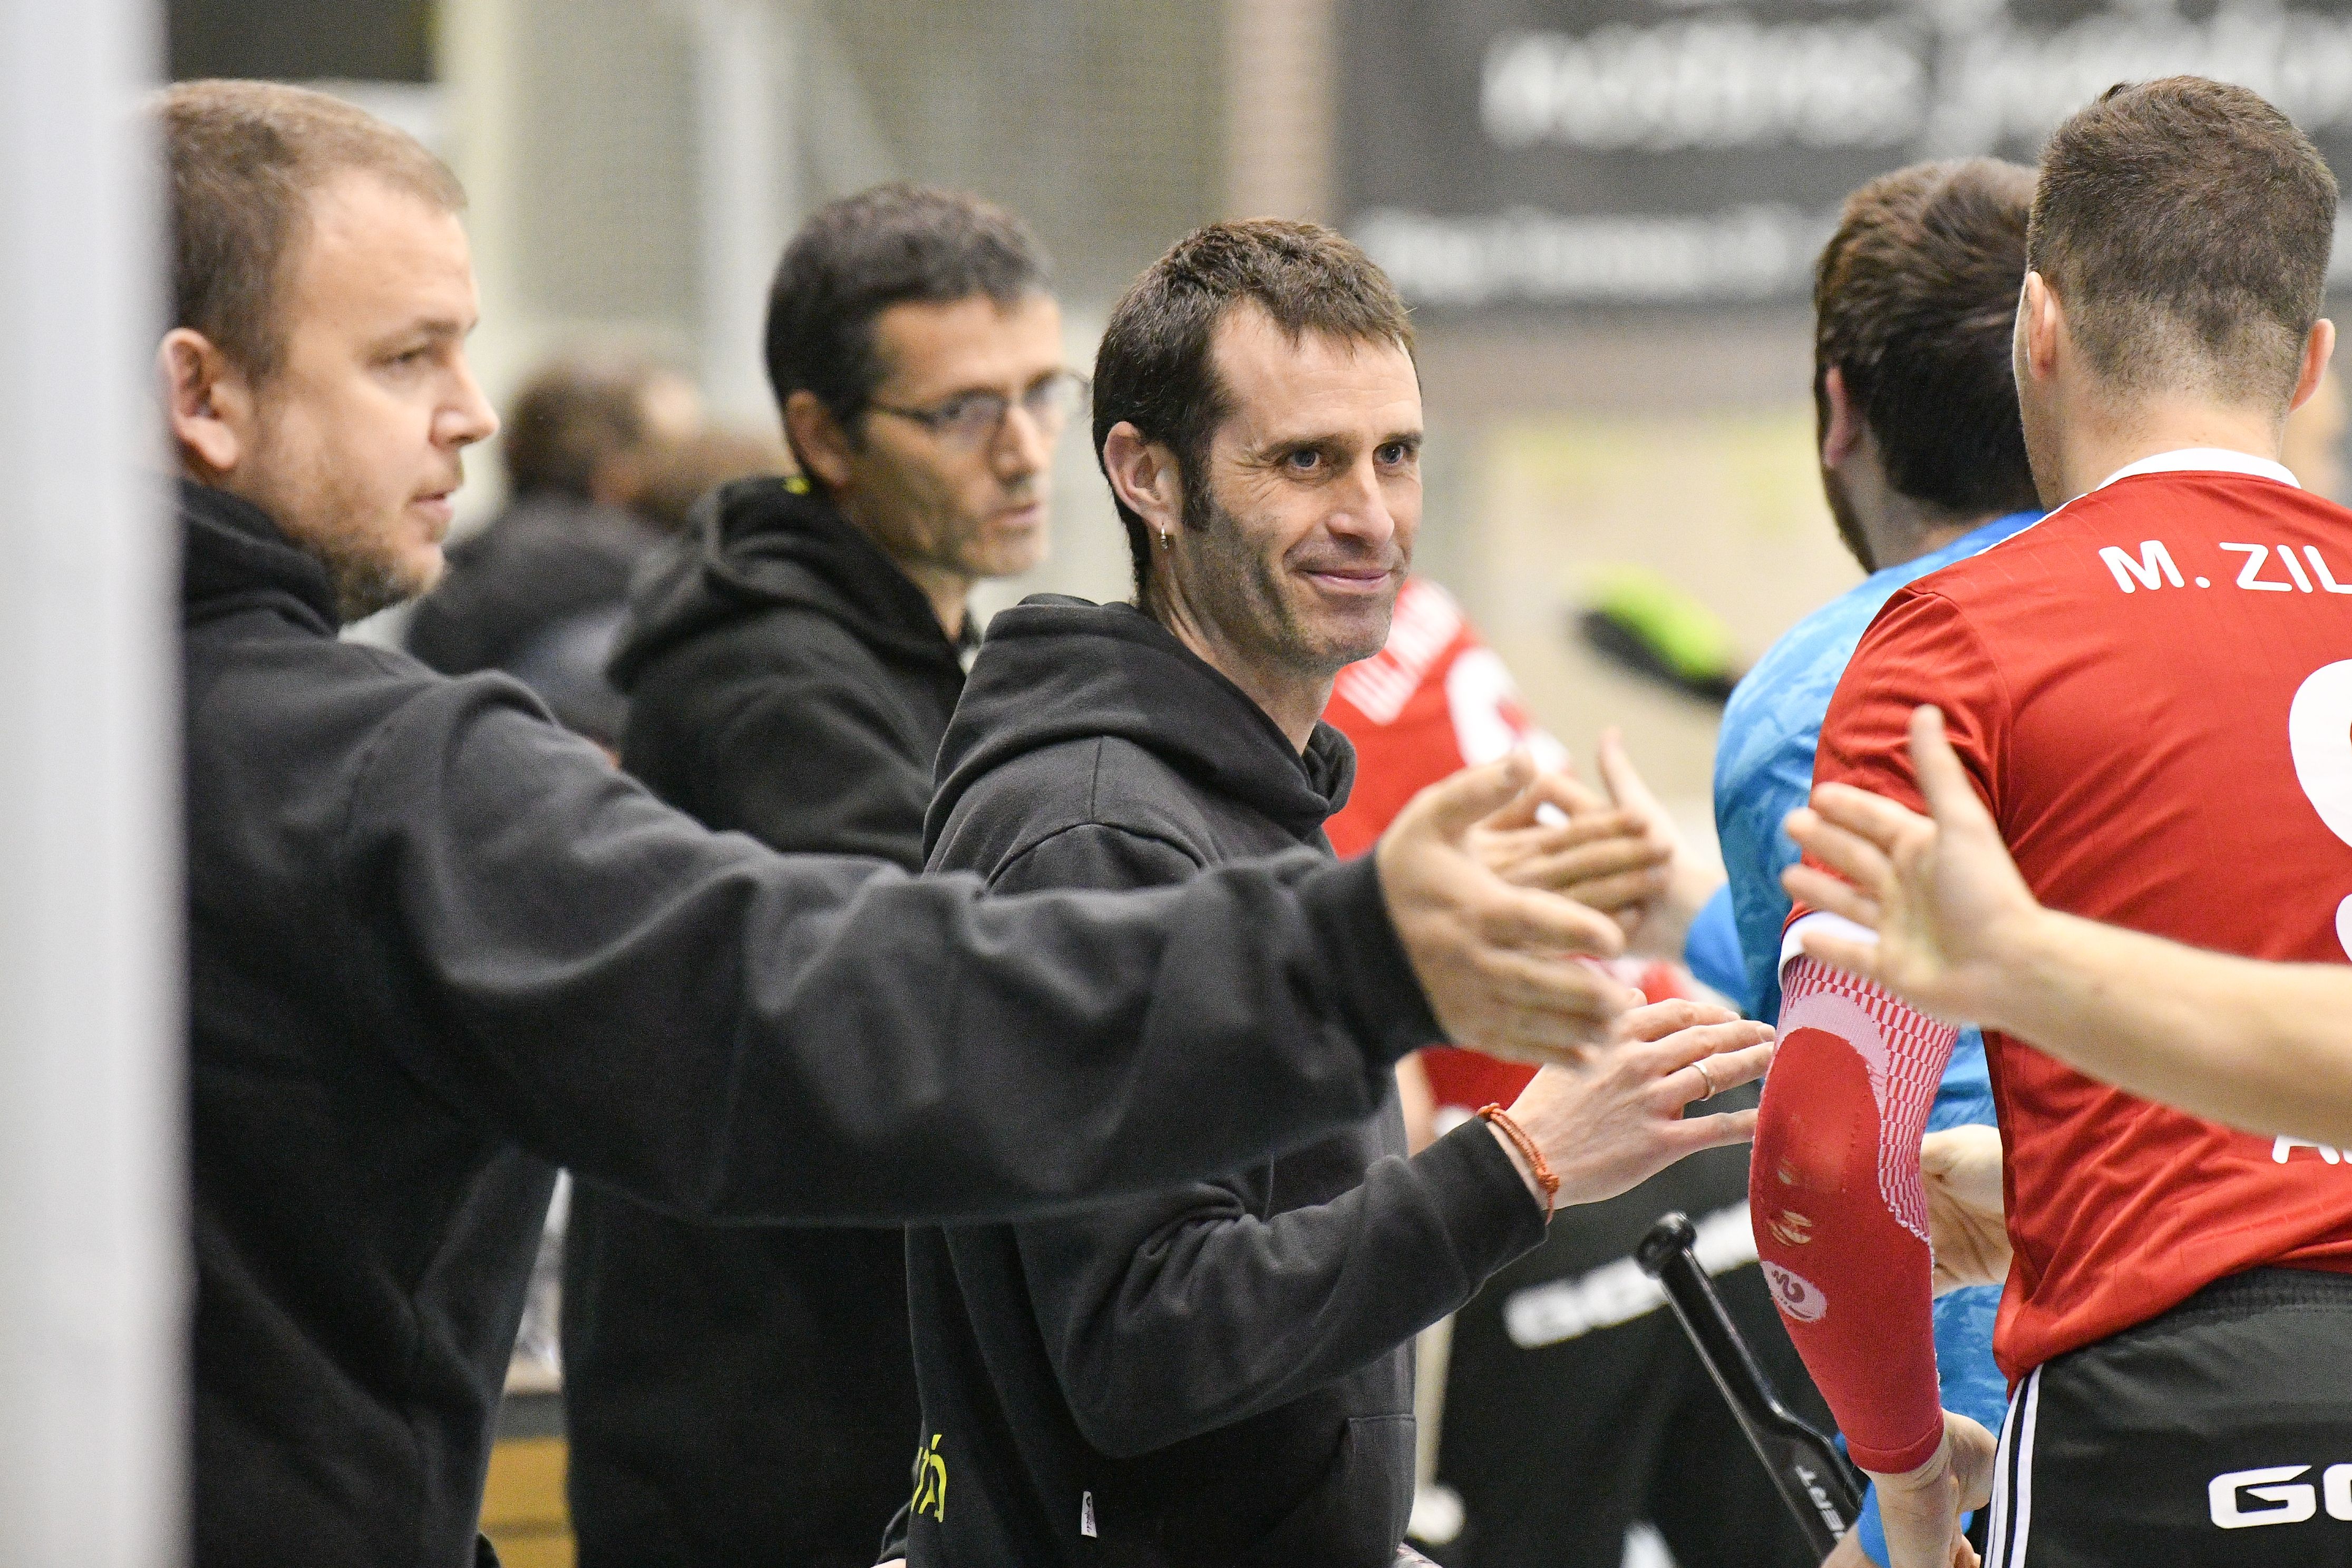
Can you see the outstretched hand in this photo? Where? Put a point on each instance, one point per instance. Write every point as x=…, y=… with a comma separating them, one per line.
x=1921, y=1508
x=1563, y=836
x=1614, y=1125
x=1499, y=963
x=1952, y=915
x=1690, y=880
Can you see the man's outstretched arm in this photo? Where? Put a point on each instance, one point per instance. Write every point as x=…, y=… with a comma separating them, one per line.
x=727, y=1032
x=2266, y=1046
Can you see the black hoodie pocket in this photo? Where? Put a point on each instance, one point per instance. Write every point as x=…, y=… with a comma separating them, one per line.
x=1355, y=1518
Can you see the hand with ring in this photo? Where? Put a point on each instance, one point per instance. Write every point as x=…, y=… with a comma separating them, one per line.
x=1613, y=1124
x=1706, y=1077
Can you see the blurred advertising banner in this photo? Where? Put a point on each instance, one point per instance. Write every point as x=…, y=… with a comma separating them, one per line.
x=1518, y=153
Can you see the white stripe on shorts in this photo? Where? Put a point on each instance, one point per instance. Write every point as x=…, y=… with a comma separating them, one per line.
x=2012, y=1480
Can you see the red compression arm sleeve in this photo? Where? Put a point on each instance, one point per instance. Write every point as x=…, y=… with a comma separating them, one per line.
x=1840, y=1212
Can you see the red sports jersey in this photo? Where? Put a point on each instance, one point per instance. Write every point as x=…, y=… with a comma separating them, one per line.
x=1436, y=700
x=2152, y=690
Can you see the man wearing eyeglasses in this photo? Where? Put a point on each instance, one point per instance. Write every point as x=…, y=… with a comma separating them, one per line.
x=746, y=1395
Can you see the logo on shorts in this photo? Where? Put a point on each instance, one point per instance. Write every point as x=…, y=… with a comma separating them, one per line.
x=2286, y=1504
x=1796, y=1296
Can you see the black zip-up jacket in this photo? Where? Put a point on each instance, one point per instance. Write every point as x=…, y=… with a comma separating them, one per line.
x=1219, y=1373
x=745, y=1395
x=436, y=945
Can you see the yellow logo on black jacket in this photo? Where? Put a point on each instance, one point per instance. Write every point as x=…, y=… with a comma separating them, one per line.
x=930, y=1482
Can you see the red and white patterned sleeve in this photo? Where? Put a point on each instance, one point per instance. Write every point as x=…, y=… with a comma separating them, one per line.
x=1840, y=1214
x=1834, y=1190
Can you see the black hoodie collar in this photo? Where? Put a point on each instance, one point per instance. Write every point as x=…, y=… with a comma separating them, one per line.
x=756, y=544
x=233, y=557
x=1056, y=669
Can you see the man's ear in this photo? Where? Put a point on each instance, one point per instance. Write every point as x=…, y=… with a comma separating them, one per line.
x=2040, y=328
x=2317, y=349
x=823, y=448
x=207, y=404
x=1841, y=432
x=1143, y=475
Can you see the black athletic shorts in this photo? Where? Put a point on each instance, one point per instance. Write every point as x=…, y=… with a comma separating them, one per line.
x=2218, y=1433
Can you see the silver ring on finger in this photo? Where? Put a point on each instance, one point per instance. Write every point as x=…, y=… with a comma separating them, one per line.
x=1706, y=1078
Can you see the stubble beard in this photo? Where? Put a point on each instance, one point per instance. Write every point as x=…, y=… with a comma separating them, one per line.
x=330, y=521
x=1849, y=523
x=1251, y=603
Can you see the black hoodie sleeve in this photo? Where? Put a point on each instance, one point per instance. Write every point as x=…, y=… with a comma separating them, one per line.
x=802, y=755
x=1181, y=1311
x=726, y=1032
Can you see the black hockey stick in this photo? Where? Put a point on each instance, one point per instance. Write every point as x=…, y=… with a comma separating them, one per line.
x=1820, y=1485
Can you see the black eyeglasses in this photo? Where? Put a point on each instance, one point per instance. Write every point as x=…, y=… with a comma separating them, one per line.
x=972, y=419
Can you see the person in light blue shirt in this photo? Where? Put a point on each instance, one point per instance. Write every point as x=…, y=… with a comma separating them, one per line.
x=1922, y=458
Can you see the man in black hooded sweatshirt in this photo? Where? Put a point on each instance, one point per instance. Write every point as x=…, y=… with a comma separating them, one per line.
x=745, y=1396
x=1221, y=1373
x=437, y=945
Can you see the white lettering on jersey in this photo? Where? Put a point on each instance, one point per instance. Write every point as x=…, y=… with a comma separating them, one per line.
x=2319, y=568
x=2250, y=576
x=2285, y=1147
x=2154, y=567
x=2320, y=735
x=2153, y=558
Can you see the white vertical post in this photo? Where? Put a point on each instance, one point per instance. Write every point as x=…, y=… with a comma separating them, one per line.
x=743, y=153
x=93, y=1278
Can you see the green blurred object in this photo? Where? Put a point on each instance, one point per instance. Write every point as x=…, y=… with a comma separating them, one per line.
x=1642, y=620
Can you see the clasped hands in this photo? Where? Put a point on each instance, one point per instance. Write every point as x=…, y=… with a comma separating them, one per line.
x=1559, y=873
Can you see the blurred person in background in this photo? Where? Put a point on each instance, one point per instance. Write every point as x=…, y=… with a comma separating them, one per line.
x=1923, y=460
x=1570, y=1341
x=739, y=1395
x=538, y=591
x=684, y=472
x=438, y=946
x=1221, y=1371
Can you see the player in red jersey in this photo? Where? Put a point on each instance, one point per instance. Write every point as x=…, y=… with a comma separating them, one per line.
x=2150, y=689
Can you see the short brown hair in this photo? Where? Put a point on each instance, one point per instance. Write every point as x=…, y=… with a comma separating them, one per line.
x=2184, y=226
x=1155, y=370
x=569, y=416
x=246, y=157
x=894, y=244
x=1914, y=299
